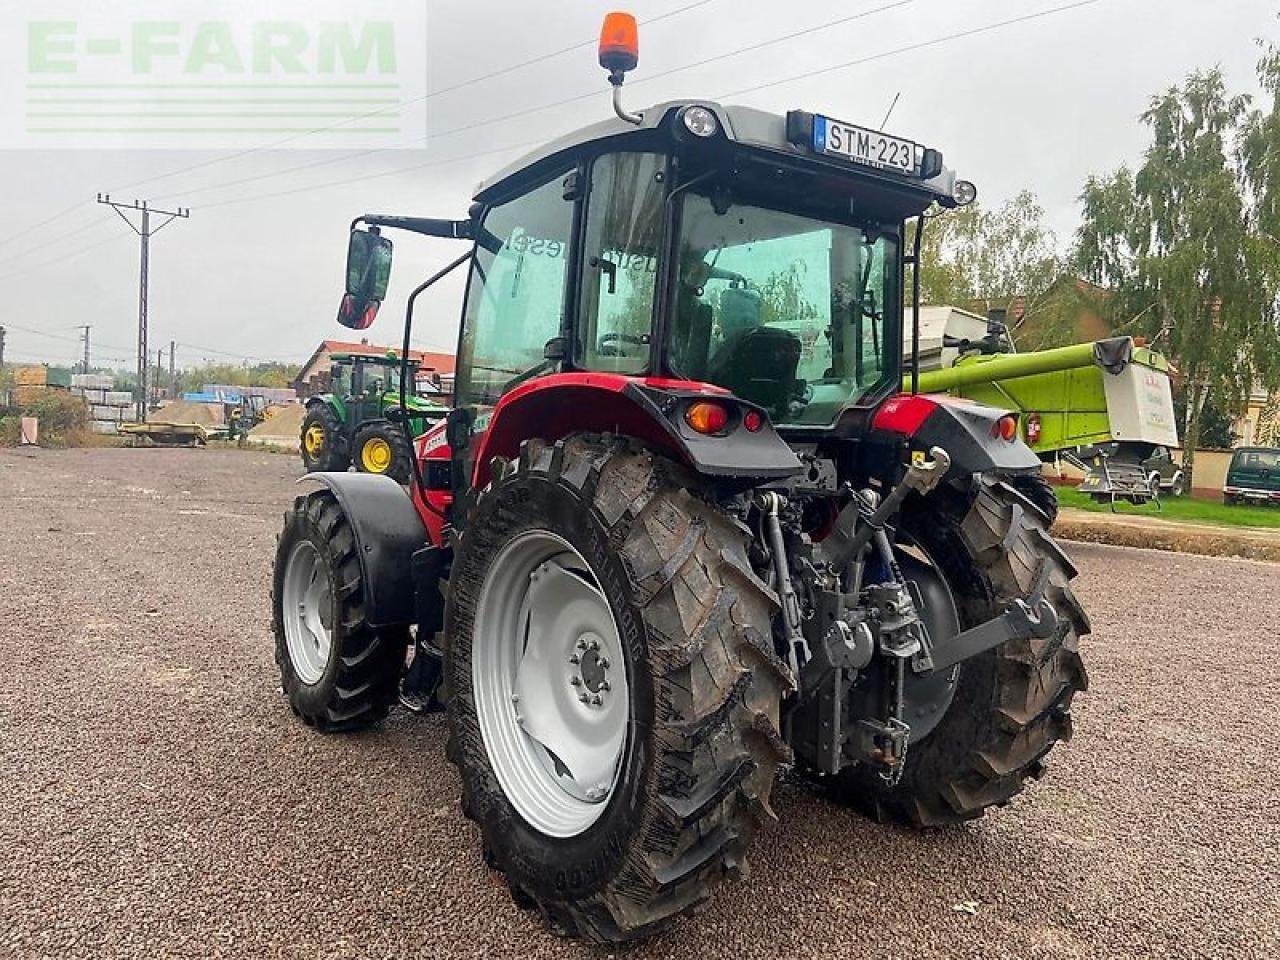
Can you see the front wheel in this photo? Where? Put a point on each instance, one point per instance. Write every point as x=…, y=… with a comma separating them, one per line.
x=338, y=672
x=613, y=693
x=1010, y=705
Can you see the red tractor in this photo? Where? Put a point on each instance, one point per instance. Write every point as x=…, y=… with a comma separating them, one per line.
x=682, y=529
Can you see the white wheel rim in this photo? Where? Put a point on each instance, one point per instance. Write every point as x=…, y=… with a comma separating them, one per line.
x=550, y=684
x=306, y=611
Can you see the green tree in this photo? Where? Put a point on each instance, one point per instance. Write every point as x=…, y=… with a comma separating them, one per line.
x=1176, y=242
x=991, y=258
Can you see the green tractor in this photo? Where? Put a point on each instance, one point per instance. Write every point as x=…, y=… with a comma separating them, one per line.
x=354, y=421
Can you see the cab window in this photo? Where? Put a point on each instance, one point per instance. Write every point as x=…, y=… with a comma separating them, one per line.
x=620, y=262
x=516, y=295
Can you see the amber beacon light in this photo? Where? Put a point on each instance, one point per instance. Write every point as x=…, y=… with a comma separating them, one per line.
x=619, y=43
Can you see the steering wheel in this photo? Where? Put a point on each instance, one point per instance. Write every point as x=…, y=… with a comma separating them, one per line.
x=607, y=345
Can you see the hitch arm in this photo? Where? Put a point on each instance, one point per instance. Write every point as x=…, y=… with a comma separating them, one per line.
x=1026, y=619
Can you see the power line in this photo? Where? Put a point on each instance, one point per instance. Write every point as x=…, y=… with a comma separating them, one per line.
x=65, y=257
x=58, y=239
x=963, y=34
x=773, y=41
x=36, y=226
x=400, y=104
x=857, y=61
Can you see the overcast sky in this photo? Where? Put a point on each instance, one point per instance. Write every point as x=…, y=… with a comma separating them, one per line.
x=257, y=269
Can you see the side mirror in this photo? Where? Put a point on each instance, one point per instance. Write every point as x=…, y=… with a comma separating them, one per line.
x=368, y=273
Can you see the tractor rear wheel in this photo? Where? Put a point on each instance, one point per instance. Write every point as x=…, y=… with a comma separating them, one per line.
x=338, y=672
x=1039, y=491
x=1012, y=704
x=613, y=694
x=323, y=443
x=381, y=447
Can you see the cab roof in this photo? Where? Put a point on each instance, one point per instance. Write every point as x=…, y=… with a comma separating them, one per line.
x=745, y=126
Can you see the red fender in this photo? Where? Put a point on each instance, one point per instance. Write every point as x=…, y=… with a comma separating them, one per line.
x=554, y=406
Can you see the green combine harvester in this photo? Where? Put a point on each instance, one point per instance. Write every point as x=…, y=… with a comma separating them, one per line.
x=355, y=421
x=1105, y=406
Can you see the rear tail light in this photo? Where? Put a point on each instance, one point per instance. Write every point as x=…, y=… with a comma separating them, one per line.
x=753, y=421
x=904, y=414
x=1006, y=428
x=707, y=417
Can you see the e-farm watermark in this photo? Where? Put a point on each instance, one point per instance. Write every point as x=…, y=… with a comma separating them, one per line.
x=224, y=74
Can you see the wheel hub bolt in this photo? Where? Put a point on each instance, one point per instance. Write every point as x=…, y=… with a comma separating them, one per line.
x=573, y=658
x=596, y=700
x=604, y=663
x=575, y=681
x=584, y=698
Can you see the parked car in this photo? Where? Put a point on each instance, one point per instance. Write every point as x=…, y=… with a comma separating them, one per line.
x=1253, y=477
x=1164, y=472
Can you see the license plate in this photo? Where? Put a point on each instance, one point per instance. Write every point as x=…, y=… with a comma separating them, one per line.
x=867, y=147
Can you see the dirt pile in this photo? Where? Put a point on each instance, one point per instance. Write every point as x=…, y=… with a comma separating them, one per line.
x=281, y=428
x=188, y=411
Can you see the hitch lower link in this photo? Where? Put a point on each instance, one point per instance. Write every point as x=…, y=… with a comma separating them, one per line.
x=1031, y=619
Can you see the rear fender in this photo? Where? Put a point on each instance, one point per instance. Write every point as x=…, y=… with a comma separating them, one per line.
x=388, y=531
x=649, y=409
x=966, y=430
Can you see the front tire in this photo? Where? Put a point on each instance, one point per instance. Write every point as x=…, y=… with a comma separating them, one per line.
x=338, y=672
x=1011, y=704
x=691, y=627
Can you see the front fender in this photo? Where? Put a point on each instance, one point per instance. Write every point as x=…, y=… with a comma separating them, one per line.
x=388, y=531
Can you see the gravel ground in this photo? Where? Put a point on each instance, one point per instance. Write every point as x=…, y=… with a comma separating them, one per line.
x=157, y=797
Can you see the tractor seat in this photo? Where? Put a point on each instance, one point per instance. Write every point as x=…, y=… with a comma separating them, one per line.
x=759, y=365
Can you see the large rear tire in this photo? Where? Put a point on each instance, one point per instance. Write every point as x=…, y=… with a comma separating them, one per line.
x=338, y=672
x=1012, y=704
x=1040, y=492
x=665, y=577
x=322, y=441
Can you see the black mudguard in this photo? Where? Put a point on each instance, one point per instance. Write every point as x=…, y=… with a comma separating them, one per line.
x=967, y=431
x=737, y=455
x=388, y=532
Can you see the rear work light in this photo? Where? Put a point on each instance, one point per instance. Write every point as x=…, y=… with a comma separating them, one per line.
x=707, y=417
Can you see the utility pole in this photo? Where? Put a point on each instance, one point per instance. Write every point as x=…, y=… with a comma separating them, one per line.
x=145, y=232
x=173, y=376
x=84, y=366
x=155, y=392
x=2, y=336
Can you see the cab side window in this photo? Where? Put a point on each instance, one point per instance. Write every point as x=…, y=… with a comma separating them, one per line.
x=620, y=262
x=516, y=295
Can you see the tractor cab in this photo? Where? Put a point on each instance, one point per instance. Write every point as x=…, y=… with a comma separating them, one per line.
x=694, y=249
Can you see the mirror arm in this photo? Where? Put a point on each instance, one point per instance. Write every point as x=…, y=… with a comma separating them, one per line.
x=427, y=226
x=415, y=466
